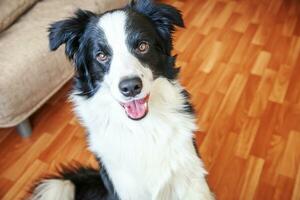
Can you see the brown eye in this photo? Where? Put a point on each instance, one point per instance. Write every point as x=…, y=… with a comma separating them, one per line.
x=143, y=47
x=102, y=57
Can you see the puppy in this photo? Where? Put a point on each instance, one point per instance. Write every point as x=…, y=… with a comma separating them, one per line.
x=138, y=117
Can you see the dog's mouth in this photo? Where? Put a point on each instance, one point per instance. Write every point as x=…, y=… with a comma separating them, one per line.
x=136, y=109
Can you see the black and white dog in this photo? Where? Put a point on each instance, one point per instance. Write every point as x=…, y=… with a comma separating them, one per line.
x=139, y=120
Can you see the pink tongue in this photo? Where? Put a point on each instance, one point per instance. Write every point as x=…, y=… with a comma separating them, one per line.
x=136, y=109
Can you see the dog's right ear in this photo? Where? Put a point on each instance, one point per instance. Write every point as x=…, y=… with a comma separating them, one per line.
x=69, y=32
x=163, y=16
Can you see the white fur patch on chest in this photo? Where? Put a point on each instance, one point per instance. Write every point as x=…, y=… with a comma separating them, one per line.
x=140, y=156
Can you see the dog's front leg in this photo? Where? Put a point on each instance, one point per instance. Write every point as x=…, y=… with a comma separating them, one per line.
x=165, y=193
x=198, y=190
x=181, y=188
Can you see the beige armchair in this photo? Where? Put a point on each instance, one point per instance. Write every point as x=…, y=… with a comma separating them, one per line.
x=29, y=73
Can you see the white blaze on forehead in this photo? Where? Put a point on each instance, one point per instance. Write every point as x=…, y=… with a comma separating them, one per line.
x=123, y=63
x=113, y=24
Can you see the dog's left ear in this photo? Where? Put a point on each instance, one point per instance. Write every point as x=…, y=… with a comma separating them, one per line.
x=69, y=32
x=165, y=17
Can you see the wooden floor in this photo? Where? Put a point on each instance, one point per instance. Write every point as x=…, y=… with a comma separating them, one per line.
x=240, y=60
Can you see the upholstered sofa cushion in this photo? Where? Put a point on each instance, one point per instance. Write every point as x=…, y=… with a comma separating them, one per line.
x=10, y=10
x=30, y=74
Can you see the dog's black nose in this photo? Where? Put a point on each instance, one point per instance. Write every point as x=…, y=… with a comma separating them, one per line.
x=131, y=87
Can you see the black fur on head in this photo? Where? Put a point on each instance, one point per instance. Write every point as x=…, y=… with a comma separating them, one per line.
x=164, y=17
x=69, y=31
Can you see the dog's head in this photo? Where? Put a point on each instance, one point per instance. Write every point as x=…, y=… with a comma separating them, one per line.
x=124, y=49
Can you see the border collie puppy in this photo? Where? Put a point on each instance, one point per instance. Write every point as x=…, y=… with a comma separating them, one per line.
x=138, y=117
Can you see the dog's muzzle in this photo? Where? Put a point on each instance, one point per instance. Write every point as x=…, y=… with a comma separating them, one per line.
x=135, y=109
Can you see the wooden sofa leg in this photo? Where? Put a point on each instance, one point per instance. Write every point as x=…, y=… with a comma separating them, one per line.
x=24, y=128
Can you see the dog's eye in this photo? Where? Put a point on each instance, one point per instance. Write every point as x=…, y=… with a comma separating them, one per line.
x=143, y=47
x=101, y=57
